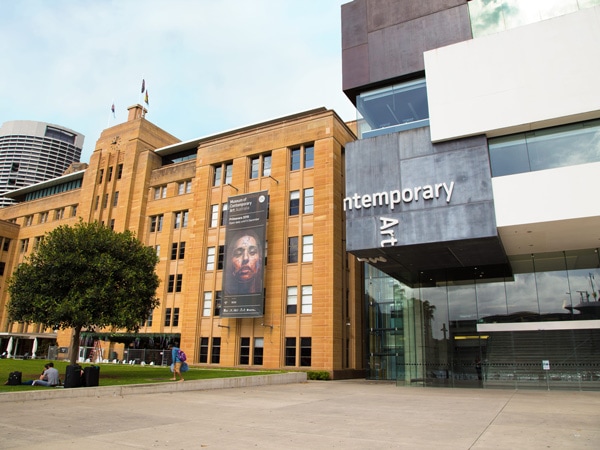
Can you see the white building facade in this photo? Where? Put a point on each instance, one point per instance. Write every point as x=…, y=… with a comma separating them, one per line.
x=470, y=194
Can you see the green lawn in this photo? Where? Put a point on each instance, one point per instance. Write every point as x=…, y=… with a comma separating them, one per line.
x=112, y=374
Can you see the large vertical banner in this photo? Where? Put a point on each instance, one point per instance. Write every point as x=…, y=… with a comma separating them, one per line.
x=243, y=269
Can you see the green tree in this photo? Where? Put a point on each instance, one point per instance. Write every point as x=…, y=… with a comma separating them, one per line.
x=85, y=276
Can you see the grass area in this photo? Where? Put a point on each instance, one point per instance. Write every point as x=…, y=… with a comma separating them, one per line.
x=113, y=374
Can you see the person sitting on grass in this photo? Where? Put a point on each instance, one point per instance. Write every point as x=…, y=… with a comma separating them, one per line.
x=48, y=378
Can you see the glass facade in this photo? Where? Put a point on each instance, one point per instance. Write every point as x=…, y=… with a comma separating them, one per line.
x=489, y=17
x=549, y=148
x=391, y=109
x=535, y=329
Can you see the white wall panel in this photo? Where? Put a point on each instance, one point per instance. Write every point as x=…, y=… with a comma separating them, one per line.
x=547, y=195
x=527, y=78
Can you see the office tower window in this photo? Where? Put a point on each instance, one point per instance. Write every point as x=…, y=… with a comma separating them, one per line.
x=309, y=200
x=214, y=216
x=307, y=248
x=293, y=249
x=292, y=300
x=294, y=203
x=290, y=351
x=207, y=304
x=305, y=351
x=168, y=317
x=306, y=300
x=210, y=258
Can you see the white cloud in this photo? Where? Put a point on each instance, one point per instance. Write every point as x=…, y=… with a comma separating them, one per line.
x=209, y=66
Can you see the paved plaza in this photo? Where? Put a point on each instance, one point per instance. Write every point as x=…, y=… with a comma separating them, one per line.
x=350, y=414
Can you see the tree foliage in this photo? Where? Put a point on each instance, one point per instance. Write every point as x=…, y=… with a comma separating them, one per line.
x=85, y=276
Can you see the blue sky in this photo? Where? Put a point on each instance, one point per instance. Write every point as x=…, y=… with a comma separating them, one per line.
x=209, y=65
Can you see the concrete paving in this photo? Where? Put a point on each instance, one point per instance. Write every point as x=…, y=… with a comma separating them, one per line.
x=349, y=414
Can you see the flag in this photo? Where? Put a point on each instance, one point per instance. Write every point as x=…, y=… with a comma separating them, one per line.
x=146, y=99
x=143, y=85
x=112, y=108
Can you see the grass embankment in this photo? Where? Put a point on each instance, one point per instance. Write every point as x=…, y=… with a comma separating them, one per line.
x=113, y=374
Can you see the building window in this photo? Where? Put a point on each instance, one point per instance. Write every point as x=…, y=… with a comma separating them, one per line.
x=6, y=245
x=2, y=267
x=179, y=282
x=112, y=224
x=223, y=174
x=184, y=187
x=24, y=245
x=293, y=250
x=214, y=216
x=97, y=202
x=157, y=250
x=160, y=192
x=244, y=351
x=305, y=351
x=393, y=108
x=105, y=201
x=149, y=319
x=302, y=157
x=306, y=300
x=100, y=176
x=73, y=210
x=43, y=217
x=119, y=171
x=171, y=285
x=14, y=167
x=290, y=351
x=210, y=258
x=295, y=158
x=28, y=221
x=309, y=200
x=218, y=175
x=178, y=250
x=156, y=223
x=254, y=167
x=37, y=241
x=207, y=304
x=221, y=257
x=309, y=156
x=307, y=248
x=168, y=317
x=203, y=358
x=116, y=198
x=259, y=344
x=545, y=149
x=260, y=166
x=218, y=301
x=215, y=357
x=181, y=219
x=109, y=175
x=292, y=300
x=224, y=214
x=176, y=317
x=294, y=203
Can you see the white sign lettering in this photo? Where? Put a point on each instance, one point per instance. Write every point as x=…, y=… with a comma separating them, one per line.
x=386, y=231
x=397, y=196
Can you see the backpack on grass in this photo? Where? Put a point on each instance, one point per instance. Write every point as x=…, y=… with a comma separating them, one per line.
x=181, y=355
x=14, y=378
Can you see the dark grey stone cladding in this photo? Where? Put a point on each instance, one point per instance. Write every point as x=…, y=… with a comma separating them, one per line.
x=458, y=233
x=384, y=40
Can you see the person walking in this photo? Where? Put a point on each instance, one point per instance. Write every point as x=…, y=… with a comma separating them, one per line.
x=177, y=362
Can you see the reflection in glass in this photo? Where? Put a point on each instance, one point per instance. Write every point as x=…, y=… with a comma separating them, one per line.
x=428, y=335
x=393, y=108
x=562, y=146
x=492, y=16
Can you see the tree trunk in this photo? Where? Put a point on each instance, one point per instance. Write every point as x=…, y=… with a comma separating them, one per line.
x=74, y=351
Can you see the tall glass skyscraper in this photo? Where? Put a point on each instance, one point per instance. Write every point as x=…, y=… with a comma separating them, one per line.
x=31, y=152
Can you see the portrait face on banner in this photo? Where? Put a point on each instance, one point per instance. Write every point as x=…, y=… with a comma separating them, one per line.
x=245, y=264
x=245, y=243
